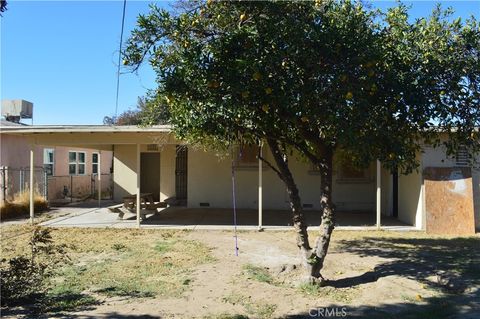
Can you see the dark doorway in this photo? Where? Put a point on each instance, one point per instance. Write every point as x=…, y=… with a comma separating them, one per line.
x=181, y=175
x=150, y=174
x=395, y=193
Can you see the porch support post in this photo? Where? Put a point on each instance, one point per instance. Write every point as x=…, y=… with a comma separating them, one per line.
x=32, y=204
x=260, y=192
x=138, y=186
x=99, y=176
x=379, y=193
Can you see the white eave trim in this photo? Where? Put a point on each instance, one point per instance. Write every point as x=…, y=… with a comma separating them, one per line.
x=46, y=129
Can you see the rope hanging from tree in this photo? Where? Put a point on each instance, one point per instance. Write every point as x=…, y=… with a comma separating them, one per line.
x=234, y=200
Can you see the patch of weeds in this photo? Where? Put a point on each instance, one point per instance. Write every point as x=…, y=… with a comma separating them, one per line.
x=310, y=289
x=258, y=273
x=116, y=291
x=256, y=309
x=119, y=247
x=260, y=310
x=67, y=301
x=233, y=299
x=164, y=246
x=336, y=294
x=411, y=299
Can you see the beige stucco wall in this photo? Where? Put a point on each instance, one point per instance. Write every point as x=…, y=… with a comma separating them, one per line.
x=167, y=171
x=61, y=159
x=124, y=171
x=15, y=152
x=209, y=181
x=355, y=196
x=125, y=166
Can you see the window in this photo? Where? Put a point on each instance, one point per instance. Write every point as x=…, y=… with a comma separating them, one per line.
x=348, y=173
x=48, y=160
x=152, y=147
x=462, y=158
x=246, y=156
x=76, y=163
x=94, y=163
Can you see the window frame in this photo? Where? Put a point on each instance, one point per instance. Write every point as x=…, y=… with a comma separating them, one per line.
x=462, y=157
x=46, y=157
x=240, y=163
x=365, y=179
x=77, y=162
x=95, y=164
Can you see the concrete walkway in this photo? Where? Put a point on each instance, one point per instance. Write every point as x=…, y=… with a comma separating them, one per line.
x=211, y=218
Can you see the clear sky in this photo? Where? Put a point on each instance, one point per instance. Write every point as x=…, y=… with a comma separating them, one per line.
x=62, y=55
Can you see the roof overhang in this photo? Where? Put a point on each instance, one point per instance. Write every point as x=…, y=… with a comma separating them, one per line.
x=92, y=135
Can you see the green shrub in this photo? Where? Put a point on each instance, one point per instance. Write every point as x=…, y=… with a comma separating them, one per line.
x=24, y=278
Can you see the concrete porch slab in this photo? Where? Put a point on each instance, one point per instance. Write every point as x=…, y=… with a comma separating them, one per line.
x=216, y=219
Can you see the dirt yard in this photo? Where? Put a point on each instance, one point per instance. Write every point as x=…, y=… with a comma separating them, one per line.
x=128, y=273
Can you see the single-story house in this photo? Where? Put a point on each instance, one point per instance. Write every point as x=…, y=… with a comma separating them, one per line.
x=443, y=196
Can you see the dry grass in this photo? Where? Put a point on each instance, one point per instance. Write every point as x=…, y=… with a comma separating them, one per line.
x=117, y=262
x=20, y=205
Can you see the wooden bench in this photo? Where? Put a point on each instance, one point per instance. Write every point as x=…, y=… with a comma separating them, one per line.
x=147, y=205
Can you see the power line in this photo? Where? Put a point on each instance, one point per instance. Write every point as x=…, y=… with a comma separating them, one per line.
x=120, y=58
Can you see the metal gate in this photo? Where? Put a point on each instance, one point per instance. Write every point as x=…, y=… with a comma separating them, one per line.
x=181, y=174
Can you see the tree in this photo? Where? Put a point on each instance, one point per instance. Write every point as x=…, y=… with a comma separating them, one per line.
x=150, y=111
x=318, y=77
x=3, y=6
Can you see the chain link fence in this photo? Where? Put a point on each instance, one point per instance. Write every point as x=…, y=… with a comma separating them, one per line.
x=56, y=189
x=17, y=180
x=70, y=188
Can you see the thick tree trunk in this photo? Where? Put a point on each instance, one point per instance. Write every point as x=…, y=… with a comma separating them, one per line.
x=328, y=216
x=296, y=206
x=312, y=259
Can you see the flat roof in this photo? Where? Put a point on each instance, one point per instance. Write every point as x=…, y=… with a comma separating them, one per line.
x=45, y=129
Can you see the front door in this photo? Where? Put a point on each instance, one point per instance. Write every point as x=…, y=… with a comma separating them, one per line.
x=181, y=175
x=150, y=174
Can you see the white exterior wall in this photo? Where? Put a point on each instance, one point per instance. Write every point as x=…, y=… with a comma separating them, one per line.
x=387, y=193
x=410, y=199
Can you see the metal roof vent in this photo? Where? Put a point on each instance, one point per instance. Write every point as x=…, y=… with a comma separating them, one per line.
x=14, y=110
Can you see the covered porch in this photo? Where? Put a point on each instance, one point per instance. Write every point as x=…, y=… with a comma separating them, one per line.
x=260, y=195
